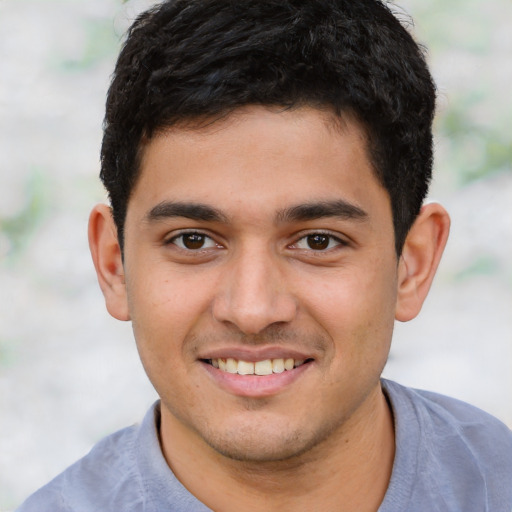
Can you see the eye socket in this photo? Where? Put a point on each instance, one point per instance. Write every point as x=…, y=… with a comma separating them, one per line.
x=318, y=242
x=193, y=241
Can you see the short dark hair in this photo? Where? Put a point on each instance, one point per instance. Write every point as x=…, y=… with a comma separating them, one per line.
x=186, y=59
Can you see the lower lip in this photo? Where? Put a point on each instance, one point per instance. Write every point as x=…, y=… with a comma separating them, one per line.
x=255, y=386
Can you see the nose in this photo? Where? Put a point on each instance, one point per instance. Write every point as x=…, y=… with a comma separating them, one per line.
x=253, y=293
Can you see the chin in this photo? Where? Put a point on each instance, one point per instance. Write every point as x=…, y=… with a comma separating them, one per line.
x=264, y=443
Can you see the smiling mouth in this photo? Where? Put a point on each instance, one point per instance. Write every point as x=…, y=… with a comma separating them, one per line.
x=264, y=367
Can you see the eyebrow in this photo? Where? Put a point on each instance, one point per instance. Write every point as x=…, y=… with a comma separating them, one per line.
x=194, y=211
x=299, y=213
x=316, y=210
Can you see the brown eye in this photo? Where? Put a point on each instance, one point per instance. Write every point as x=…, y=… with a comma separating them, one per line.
x=318, y=242
x=193, y=241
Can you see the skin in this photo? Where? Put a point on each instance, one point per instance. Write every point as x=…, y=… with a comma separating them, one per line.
x=265, y=275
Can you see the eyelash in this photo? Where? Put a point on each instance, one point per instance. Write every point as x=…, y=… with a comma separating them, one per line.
x=328, y=237
x=204, y=236
x=339, y=242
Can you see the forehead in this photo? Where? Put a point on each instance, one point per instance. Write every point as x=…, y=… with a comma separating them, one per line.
x=261, y=159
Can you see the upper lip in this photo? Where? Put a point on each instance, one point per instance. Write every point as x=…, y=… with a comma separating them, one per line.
x=255, y=354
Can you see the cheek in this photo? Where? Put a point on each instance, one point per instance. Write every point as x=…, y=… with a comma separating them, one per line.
x=160, y=329
x=163, y=297
x=356, y=308
x=164, y=311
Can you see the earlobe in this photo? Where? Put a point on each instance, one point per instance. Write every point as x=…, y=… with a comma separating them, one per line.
x=107, y=258
x=420, y=258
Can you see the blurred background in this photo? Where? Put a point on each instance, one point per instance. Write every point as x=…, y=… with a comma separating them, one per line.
x=69, y=374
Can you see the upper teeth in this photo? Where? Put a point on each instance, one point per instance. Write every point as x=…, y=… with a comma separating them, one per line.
x=266, y=367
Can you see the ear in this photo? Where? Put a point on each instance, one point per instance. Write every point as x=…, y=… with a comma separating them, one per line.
x=420, y=257
x=106, y=255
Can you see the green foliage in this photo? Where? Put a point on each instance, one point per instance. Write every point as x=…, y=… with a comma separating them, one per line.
x=19, y=227
x=484, y=265
x=476, y=148
x=8, y=353
x=101, y=43
x=469, y=55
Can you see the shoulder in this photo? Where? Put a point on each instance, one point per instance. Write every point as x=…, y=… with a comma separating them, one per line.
x=448, y=414
x=459, y=450
x=95, y=481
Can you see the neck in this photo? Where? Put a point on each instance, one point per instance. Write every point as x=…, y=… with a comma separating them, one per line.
x=350, y=471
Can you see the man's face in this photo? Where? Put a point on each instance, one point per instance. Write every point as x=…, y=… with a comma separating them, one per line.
x=262, y=243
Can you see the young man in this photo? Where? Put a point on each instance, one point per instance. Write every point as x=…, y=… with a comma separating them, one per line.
x=266, y=163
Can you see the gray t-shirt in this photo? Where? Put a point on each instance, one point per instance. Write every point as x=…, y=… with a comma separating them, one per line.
x=450, y=457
